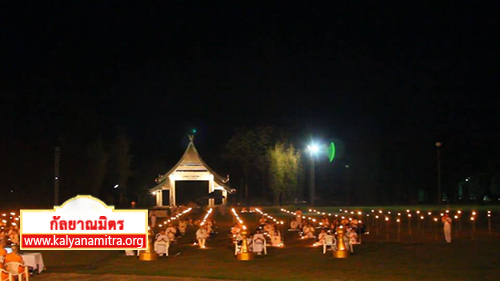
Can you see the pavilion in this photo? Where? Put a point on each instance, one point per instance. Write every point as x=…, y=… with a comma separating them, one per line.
x=190, y=168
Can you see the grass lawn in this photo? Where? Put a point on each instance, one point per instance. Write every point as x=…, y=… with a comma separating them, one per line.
x=416, y=257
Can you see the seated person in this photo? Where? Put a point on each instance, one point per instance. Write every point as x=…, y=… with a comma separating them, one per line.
x=258, y=242
x=321, y=237
x=275, y=237
x=305, y=225
x=3, y=253
x=250, y=243
x=268, y=228
x=202, y=235
x=235, y=230
x=3, y=236
x=15, y=257
x=334, y=225
x=262, y=221
x=325, y=222
x=182, y=227
x=171, y=231
x=161, y=243
x=352, y=236
x=14, y=235
x=309, y=231
x=294, y=225
x=209, y=225
x=354, y=224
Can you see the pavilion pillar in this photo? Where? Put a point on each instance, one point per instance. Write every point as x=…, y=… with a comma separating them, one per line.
x=172, y=192
x=159, y=198
x=211, y=201
x=224, y=200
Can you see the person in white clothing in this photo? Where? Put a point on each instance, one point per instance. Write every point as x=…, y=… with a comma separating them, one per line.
x=262, y=221
x=152, y=217
x=294, y=225
x=298, y=215
x=446, y=219
x=258, y=242
x=182, y=227
x=235, y=230
x=201, y=236
x=326, y=222
x=268, y=228
x=309, y=231
x=209, y=226
x=275, y=237
x=352, y=236
x=171, y=231
x=162, y=243
x=321, y=237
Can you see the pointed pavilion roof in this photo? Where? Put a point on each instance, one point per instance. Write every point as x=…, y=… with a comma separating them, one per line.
x=190, y=157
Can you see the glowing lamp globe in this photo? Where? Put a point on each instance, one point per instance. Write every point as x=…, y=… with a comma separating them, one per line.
x=313, y=148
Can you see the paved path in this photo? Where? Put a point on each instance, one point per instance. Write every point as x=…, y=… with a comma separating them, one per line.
x=110, y=277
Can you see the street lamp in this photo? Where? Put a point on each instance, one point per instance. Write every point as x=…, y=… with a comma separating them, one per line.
x=438, y=146
x=313, y=149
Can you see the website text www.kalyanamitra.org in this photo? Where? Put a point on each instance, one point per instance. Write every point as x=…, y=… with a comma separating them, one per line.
x=83, y=241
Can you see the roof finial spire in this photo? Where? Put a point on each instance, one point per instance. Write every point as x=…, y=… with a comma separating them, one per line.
x=191, y=138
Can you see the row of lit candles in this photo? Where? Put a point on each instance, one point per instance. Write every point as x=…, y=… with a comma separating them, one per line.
x=268, y=216
x=303, y=217
x=176, y=216
x=238, y=218
x=458, y=212
x=456, y=216
x=387, y=218
x=206, y=216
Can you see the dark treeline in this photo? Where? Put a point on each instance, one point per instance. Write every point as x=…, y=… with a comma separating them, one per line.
x=366, y=170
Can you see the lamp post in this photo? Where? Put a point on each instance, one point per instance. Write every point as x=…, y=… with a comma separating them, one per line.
x=313, y=149
x=438, y=146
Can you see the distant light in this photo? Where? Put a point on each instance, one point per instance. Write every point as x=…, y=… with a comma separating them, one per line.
x=57, y=178
x=467, y=179
x=193, y=131
x=12, y=190
x=347, y=166
x=116, y=186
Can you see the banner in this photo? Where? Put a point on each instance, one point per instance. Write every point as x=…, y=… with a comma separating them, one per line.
x=84, y=223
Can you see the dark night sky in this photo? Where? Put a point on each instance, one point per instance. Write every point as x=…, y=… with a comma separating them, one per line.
x=406, y=76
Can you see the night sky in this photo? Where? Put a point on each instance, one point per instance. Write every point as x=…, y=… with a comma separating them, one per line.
x=400, y=77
